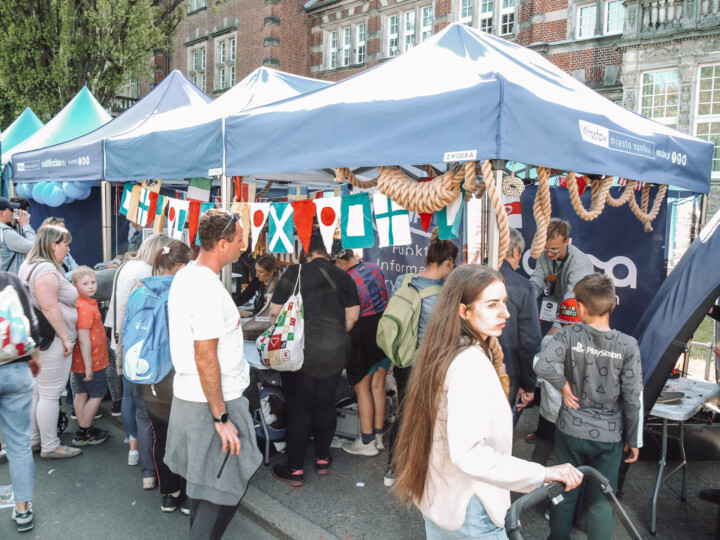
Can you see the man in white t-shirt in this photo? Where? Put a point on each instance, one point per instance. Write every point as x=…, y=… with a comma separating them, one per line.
x=209, y=416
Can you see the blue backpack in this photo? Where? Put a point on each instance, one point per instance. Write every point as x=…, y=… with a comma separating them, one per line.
x=146, y=335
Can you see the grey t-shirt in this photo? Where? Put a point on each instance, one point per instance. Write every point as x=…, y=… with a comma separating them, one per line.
x=427, y=303
x=605, y=375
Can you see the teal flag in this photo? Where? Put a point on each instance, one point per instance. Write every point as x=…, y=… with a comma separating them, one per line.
x=280, y=228
x=356, y=222
x=450, y=218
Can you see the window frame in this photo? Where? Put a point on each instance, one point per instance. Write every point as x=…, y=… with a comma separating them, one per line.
x=347, y=46
x=225, y=58
x=393, y=37
x=409, y=32
x=332, y=49
x=711, y=117
x=579, y=22
x=360, y=45
x=426, y=32
x=665, y=120
x=466, y=12
x=197, y=64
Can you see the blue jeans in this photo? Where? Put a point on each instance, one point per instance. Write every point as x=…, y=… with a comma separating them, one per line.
x=145, y=434
x=127, y=410
x=16, y=396
x=477, y=525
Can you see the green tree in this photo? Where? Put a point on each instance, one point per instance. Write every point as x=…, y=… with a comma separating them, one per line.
x=49, y=49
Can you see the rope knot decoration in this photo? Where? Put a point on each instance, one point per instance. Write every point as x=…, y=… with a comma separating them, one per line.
x=496, y=357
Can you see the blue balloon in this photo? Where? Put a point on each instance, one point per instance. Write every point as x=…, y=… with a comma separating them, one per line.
x=53, y=194
x=85, y=195
x=72, y=190
x=37, y=192
x=24, y=190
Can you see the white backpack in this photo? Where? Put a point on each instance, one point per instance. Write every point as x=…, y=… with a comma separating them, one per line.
x=15, y=338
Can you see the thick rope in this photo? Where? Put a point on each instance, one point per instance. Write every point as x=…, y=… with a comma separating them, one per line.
x=423, y=197
x=346, y=174
x=541, y=211
x=497, y=361
x=642, y=214
x=599, y=189
x=265, y=190
x=500, y=212
x=625, y=197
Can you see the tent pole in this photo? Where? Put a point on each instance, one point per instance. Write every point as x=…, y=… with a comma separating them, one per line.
x=106, y=202
x=493, y=240
x=226, y=198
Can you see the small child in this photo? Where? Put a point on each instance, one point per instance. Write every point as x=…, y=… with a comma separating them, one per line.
x=90, y=358
x=602, y=367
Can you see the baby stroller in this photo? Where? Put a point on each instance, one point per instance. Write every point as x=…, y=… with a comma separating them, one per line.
x=63, y=420
x=553, y=492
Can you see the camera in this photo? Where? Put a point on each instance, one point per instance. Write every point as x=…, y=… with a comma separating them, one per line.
x=16, y=213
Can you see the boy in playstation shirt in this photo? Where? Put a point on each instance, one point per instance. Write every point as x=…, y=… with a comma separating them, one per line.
x=598, y=372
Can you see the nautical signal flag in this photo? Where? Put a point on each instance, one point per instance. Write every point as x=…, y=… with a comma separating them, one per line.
x=356, y=218
x=143, y=209
x=280, y=228
x=125, y=203
x=514, y=211
x=199, y=189
x=177, y=216
x=242, y=209
x=161, y=203
x=303, y=217
x=450, y=218
x=204, y=207
x=258, y=216
x=393, y=222
x=328, y=214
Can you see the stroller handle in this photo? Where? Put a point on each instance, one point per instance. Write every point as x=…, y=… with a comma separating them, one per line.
x=549, y=492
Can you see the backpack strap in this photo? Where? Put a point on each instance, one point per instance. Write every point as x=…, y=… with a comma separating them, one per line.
x=432, y=290
x=329, y=279
x=114, y=297
x=8, y=266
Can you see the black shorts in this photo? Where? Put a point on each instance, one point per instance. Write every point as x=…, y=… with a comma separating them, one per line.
x=97, y=388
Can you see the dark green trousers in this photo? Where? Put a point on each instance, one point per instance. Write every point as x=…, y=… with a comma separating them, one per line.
x=603, y=456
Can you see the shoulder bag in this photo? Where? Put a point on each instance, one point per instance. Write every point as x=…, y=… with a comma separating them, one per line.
x=45, y=329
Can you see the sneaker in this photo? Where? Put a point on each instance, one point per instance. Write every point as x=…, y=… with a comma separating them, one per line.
x=289, y=476
x=379, y=444
x=169, y=503
x=185, y=506
x=389, y=478
x=24, y=520
x=149, y=482
x=359, y=449
x=133, y=457
x=91, y=437
x=116, y=408
x=322, y=466
x=61, y=452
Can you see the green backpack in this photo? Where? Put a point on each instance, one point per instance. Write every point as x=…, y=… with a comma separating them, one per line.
x=397, y=331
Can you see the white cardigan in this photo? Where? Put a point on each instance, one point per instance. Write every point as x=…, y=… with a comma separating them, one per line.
x=471, y=451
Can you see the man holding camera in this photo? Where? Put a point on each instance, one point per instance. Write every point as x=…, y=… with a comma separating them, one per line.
x=14, y=245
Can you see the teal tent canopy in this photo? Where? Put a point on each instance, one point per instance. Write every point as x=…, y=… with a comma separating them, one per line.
x=24, y=125
x=80, y=116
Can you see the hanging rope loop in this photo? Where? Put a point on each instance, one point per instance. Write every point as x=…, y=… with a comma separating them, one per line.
x=341, y=175
x=503, y=224
x=423, y=197
x=600, y=190
x=497, y=361
x=625, y=197
x=541, y=211
x=642, y=213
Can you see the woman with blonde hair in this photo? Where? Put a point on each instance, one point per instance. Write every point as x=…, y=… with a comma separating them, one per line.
x=129, y=277
x=51, y=293
x=461, y=482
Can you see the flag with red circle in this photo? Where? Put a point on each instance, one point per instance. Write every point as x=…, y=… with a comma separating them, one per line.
x=177, y=216
x=328, y=215
x=258, y=216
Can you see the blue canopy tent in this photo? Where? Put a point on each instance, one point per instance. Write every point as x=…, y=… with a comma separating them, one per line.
x=22, y=127
x=678, y=308
x=81, y=115
x=487, y=97
x=190, y=143
x=83, y=158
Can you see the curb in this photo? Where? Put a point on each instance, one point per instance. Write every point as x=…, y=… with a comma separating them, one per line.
x=264, y=510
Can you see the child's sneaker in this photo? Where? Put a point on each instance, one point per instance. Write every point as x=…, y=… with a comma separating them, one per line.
x=322, y=466
x=90, y=437
x=359, y=449
x=24, y=520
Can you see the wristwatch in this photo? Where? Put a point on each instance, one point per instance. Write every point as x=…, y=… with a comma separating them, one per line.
x=222, y=419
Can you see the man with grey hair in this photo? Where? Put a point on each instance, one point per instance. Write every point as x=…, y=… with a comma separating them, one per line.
x=520, y=340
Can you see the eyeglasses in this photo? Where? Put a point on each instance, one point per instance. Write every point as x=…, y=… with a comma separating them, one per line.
x=555, y=251
x=233, y=219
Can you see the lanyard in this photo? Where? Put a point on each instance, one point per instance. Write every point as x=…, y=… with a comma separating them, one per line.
x=554, y=276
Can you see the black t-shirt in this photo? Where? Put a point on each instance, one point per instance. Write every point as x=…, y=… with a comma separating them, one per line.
x=326, y=340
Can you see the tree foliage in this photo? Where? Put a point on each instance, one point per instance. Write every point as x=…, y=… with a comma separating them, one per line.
x=49, y=49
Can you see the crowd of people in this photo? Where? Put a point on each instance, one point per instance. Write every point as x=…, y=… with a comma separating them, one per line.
x=191, y=432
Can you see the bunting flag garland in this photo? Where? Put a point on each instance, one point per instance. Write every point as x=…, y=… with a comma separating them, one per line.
x=356, y=218
x=177, y=216
x=297, y=193
x=392, y=220
x=328, y=213
x=280, y=228
x=303, y=216
x=152, y=185
x=450, y=218
x=204, y=207
x=143, y=211
x=161, y=205
x=193, y=219
x=243, y=210
x=582, y=183
x=514, y=211
x=199, y=189
x=426, y=217
x=134, y=203
x=155, y=200
x=125, y=203
x=258, y=216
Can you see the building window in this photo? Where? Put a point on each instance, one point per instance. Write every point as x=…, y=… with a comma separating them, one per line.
x=486, y=15
x=707, y=119
x=221, y=52
x=660, y=91
x=225, y=62
x=347, y=46
x=466, y=11
x=196, y=66
x=332, y=50
x=232, y=75
x=426, y=28
x=409, y=30
x=232, y=49
x=614, y=17
x=194, y=5
x=507, y=17
x=587, y=16
x=393, y=35
x=361, y=33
